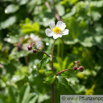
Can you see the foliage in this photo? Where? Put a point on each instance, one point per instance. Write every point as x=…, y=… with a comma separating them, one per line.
x=26, y=77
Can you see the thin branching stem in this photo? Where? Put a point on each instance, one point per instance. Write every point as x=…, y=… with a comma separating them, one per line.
x=44, y=52
x=54, y=12
x=61, y=71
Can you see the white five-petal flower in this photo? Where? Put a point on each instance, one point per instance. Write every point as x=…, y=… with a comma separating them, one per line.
x=56, y=30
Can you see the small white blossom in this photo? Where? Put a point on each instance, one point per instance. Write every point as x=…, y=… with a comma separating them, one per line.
x=56, y=30
x=33, y=39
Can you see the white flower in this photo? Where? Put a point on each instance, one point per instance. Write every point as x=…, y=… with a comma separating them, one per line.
x=37, y=40
x=56, y=30
x=33, y=39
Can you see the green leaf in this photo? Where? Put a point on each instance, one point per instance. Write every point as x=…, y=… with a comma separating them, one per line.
x=70, y=14
x=15, y=54
x=62, y=64
x=59, y=60
x=22, y=2
x=44, y=18
x=1, y=101
x=95, y=15
x=79, y=88
x=29, y=27
x=73, y=1
x=10, y=21
x=11, y=8
x=62, y=82
x=24, y=93
x=49, y=72
x=37, y=10
x=22, y=96
x=12, y=39
x=36, y=2
x=44, y=60
x=42, y=97
x=4, y=61
x=13, y=92
x=71, y=65
x=86, y=39
x=65, y=63
x=33, y=100
x=50, y=78
x=57, y=66
x=60, y=9
x=78, y=33
x=29, y=98
x=97, y=3
x=32, y=4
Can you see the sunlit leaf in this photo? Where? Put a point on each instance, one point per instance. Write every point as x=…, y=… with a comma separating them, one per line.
x=11, y=8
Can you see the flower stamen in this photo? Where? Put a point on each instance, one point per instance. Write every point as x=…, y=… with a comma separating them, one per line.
x=57, y=30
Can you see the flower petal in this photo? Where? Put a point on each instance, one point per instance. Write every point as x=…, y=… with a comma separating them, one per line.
x=61, y=25
x=65, y=32
x=32, y=35
x=24, y=46
x=49, y=32
x=52, y=24
x=39, y=44
x=55, y=36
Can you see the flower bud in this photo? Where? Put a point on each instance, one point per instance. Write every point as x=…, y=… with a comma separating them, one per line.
x=75, y=67
x=77, y=62
x=33, y=44
x=34, y=51
x=81, y=68
x=19, y=47
x=29, y=47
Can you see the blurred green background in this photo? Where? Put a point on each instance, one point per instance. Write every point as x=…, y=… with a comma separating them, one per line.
x=22, y=78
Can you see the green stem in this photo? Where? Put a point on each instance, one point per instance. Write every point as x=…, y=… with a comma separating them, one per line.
x=52, y=70
x=52, y=55
x=62, y=49
x=58, y=50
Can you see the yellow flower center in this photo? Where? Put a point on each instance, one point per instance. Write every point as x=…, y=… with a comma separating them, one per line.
x=57, y=30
